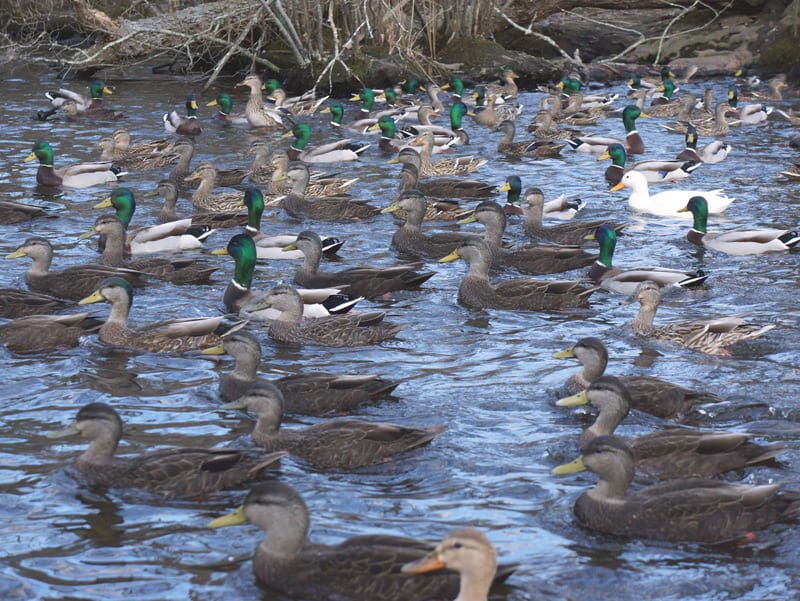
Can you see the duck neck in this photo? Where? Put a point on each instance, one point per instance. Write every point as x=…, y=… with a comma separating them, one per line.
x=243, y=271
x=643, y=322
x=118, y=315
x=114, y=250
x=101, y=450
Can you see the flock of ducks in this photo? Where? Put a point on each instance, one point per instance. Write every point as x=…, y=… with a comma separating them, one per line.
x=321, y=308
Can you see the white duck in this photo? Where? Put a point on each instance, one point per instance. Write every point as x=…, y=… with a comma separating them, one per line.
x=670, y=202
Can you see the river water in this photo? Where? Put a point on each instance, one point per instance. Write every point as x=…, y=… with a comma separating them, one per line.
x=488, y=374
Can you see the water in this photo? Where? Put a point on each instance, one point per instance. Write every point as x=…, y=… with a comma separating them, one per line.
x=488, y=374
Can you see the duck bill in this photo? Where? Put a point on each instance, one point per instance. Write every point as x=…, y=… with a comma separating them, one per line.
x=567, y=354
x=468, y=219
x=505, y=187
x=88, y=234
x=104, y=204
x=684, y=209
x=644, y=115
x=16, y=254
x=70, y=430
x=288, y=134
x=220, y=251
x=590, y=236
x=95, y=297
x=618, y=187
x=393, y=160
x=30, y=157
x=233, y=405
x=212, y=103
x=192, y=177
x=604, y=156
x=106, y=90
x=453, y=256
x=214, y=350
x=232, y=519
x=573, y=401
x=355, y=98
x=391, y=208
x=289, y=247
x=573, y=467
x=429, y=563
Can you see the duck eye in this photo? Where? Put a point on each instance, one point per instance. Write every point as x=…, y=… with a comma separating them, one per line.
x=457, y=545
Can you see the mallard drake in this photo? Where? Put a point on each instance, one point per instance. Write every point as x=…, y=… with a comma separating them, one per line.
x=174, y=336
x=736, y=242
x=328, y=208
x=690, y=509
x=72, y=283
x=446, y=187
x=367, y=99
x=632, y=143
x=672, y=452
x=625, y=281
x=79, y=175
x=258, y=114
x=181, y=472
x=572, y=233
x=444, y=137
x=360, y=126
x=319, y=184
x=717, y=127
x=468, y=552
x=240, y=298
x=169, y=192
x=315, y=393
x=20, y=303
x=335, y=330
x=225, y=114
x=37, y=333
x=647, y=393
x=477, y=292
x=559, y=208
x=339, y=150
x=410, y=240
x=204, y=200
x=670, y=202
x=749, y=114
x=332, y=444
x=536, y=259
x=359, y=281
x=711, y=336
x=83, y=103
x=172, y=236
x=713, y=152
x=391, y=140
x=654, y=171
x=449, y=166
x=16, y=212
x=178, y=270
x=537, y=148
x=184, y=126
x=665, y=105
x=361, y=568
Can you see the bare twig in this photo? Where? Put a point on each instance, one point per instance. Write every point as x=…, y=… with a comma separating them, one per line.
x=529, y=31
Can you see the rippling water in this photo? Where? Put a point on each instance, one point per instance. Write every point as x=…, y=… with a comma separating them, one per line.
x=488, y=374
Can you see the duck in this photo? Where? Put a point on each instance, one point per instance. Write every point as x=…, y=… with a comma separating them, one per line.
x=546, y=129
x=337, y=151
x=687, y=509
x=736, y=242
x=409, y=239
x=490, y=115
x=334, y=330
x=184, y=126
x=21, y=303
x=508, y=89
x=562, y=207
x=318, y=394
x=537, y=148
x=178, y=270
x=536, y=259
x=649, y=394
x=184, y=152
x=72, y=283
x=654, y=171
x=367, y=99
x=239, y=297
x=670, y=202
x=439, y=187
x=625, y=281
x=749, y=114
x=477, y=292
x=307, y=104
x=169, y=192
x=338, y=444
x=225, y=114
x=669, y=453
x=774, y=87
x=436, y=209
x=633, y=142
x=260, y=171
x=319, y=184
x=73, y=113
x=448, y=166
x=78, y=175
x=470, y=553
x=39, y=333
x=330, y=208
x=710, y=336
x=718, y=127
x=12, y=212
x=360, y=126
x=144, y=156
x=361, y=568
x=715, y=151
x=572, y=233
x=174, y=336
x=362, y=281
x=390, y=141
x=171, y=236
x=203, y=198
x=258, y=114
x=94, y=101
x=177, y=472
x=665, y=105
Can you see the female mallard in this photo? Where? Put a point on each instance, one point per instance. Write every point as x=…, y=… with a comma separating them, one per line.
x=362, y=568
x=15, y=212
x=529, y=148
x=315, y=393
x=83, y=103
x=670, y=202
x=439, y=187
x=174, y=336
x=508, y=89
x=178, y=270
x=625, y=281
x=647, y=393
x=713, y=152
x=145, y=156
x=559, y=208
x=672, y=452
x=633, y=141
x=449, y=166
x=490, y=115
x=72, y=283
x=711, y=336
x=258, y=114
x=774, y=87
x=545, y=128
x=79, y=175
x=410, y=240
x=340, y=150
x=689, y=509
x=20, y=303
x=240, y=298
x=181, y=472
x=306, y=104
x=437, y=209
x=572, y=233
x=654, y=171
x=169, y=192
x=359, y=281
x=665, y=105
x=37, y=333
x=187, y=125
x=444, y=137
x=261, y=168
x=335, y=330
x=326, y=208
x=319, y=184
x=717, y=127
x=477, y=292
x=203, y=198
x=183, y=151
x=225, y=114
x=333, y=444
